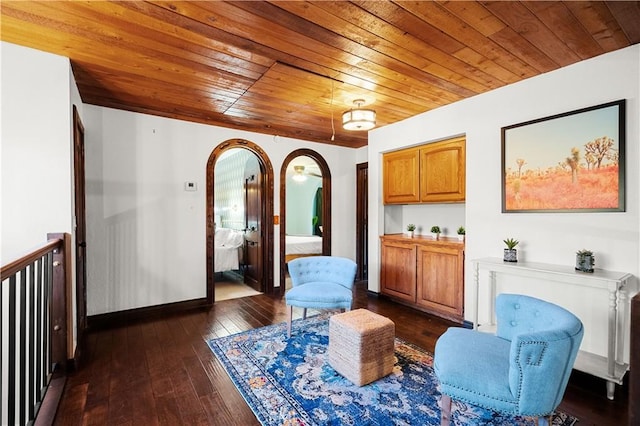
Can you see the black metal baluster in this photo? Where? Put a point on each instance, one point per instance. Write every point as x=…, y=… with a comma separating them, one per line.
x=48, y=320
x=32, y=349
x=11, y=380
x=38, y=370
x=23, y=346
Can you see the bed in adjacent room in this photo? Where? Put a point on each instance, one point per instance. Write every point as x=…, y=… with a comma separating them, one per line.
x=302, y=245
x=228, y=249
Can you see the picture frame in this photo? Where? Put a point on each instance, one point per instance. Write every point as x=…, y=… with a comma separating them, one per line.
x=566, y=163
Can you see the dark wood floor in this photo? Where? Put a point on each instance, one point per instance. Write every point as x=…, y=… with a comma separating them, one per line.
x=162, y=372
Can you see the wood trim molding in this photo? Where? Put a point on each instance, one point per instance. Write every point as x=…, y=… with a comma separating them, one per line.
x=120, y=318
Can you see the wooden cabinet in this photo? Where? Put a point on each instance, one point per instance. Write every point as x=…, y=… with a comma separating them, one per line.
x=424, y=273
x=398, y=272
x=432, y=173
x=442, y=171
x=401, y=171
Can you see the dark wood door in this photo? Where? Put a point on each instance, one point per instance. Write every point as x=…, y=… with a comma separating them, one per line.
x=81, y=229
x=253, y=224
x=362, y=223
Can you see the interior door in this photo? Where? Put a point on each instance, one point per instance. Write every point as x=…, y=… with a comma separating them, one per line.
x=362, y=222
x=81, y=229
x=253, y=224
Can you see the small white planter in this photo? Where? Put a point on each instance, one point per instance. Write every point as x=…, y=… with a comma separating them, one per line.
x=435, y=235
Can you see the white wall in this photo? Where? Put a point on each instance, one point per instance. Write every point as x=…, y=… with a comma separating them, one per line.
x=36, y=146
x=36, y=196
x=146, y=235
x=545, y=237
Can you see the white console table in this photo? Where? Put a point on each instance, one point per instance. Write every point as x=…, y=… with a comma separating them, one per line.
x=611, y=368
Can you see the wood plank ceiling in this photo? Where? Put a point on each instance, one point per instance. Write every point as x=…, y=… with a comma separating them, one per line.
x=290, y=68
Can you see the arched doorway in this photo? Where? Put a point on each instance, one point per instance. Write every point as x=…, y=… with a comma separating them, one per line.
x=294, y=161
x=263, y=231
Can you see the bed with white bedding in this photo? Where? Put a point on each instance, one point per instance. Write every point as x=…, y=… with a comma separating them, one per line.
x=302, y=245
x=228, y=249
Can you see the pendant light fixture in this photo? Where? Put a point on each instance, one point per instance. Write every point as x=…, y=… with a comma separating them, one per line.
x=298, y=174
x=359, y=118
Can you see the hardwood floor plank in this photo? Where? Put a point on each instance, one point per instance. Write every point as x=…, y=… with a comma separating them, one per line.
x=162, y=372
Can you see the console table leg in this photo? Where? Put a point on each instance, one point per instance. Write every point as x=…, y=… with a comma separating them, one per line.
x=611, y=388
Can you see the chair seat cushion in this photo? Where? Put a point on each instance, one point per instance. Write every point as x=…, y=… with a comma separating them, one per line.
x=466, y=376
x=320, y=295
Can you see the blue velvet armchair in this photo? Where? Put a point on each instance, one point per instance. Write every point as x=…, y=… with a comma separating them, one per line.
x=522, y=370
x=320, y=282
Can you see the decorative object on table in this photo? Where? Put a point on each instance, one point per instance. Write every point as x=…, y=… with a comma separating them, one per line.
x=510, y=253
x=585, y=260
x=411, y=229
x=290, y=381
x=461, y=233
x=570, y=162
x=435, y=232
x=522, y=369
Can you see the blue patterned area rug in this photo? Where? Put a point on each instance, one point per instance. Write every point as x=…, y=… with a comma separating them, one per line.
x=290, y=382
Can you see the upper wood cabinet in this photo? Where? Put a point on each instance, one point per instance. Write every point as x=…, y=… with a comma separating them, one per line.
x=431, y=173
x=442, y=171
x=400, y=171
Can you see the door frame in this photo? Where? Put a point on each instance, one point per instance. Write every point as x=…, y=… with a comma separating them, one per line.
x=267, y=213
x=80, y=231
x=326, y=206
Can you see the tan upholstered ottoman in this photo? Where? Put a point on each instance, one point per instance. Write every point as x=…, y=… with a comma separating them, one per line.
x=361, y=345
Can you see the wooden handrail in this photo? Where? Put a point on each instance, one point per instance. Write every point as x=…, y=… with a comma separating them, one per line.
x=20, y=263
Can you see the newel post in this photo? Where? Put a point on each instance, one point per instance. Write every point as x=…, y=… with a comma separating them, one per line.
x=60, y=296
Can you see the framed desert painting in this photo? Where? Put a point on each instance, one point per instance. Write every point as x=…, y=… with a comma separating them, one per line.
x=571, y=162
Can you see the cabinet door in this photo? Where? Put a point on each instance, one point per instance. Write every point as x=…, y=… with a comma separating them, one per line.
x=398, y=270
x=442, y=171
x=401, y=178
x=440, y=280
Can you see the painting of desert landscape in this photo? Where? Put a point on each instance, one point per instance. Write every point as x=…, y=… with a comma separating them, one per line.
x=565, y=163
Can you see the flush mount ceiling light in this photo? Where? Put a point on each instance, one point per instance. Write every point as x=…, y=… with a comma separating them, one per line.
x=359, y=118
x=298, y=174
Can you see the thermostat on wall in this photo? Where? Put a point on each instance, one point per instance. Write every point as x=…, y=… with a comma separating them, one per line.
x=190, y=186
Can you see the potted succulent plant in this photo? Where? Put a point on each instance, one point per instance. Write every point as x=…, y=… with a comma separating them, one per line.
x=461, y=233
x=435, y=232
x=410, y=229
x=585, y=260
x=510, y=253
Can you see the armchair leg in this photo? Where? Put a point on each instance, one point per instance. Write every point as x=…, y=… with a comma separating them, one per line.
x=289, y=318
x=544, y=421
x=304, y=313
x=445, y=410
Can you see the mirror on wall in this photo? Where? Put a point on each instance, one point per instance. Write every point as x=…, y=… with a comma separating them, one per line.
x=305, y=227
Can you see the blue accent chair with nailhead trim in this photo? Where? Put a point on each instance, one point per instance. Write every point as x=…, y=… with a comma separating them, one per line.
x=523, y=369
x=320, y=282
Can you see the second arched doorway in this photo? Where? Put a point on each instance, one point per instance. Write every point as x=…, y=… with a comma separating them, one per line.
x=296, y=164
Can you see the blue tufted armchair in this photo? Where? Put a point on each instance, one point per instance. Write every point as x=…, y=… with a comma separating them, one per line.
x=320, y=282
x=522, y=370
